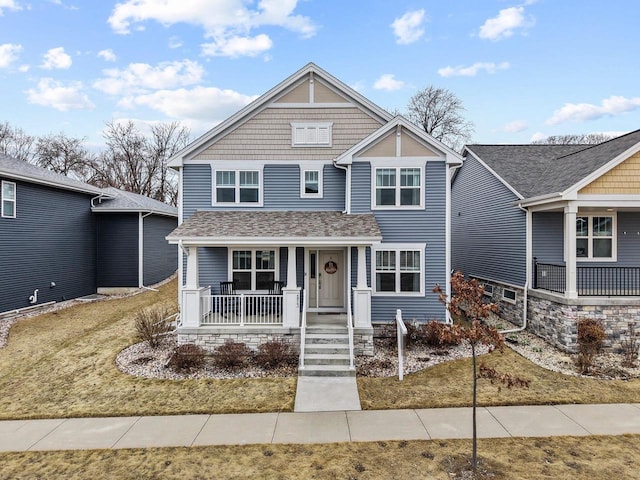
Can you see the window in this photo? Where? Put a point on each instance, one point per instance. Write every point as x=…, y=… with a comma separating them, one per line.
x=311, y=184
x=398, y=187
x=237, y=187
x=8, y=199
x=508, y=295
x=253, y=269
x=595, y=237
x=311, y=134
x=488, y=290
x=399, y=270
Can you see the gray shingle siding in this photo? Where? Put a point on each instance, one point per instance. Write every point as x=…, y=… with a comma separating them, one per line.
x=117, y=248
x=488, y=236
x=160, y=259
x=409, y=226
x=52, y=239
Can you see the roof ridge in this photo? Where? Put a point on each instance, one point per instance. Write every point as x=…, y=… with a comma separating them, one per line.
x=600, y=144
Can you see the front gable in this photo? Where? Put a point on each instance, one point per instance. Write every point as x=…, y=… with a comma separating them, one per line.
x=621, y=179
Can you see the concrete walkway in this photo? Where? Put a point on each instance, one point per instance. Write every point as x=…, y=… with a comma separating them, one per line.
x=317, y=427
x=326, y=394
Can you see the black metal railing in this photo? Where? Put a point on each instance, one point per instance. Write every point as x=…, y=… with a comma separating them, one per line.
x=597, y=281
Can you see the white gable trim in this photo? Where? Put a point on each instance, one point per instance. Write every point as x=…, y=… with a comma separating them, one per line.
x=494, y=173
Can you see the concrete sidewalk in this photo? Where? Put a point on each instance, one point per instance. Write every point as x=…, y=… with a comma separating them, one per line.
x=317, y=427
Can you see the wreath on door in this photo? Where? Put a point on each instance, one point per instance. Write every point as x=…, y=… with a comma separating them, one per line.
x=331, y=267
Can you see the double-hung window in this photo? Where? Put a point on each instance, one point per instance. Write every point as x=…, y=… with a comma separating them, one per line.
x=311, y=183
x=8, y=200
x=253, y=269
x=398, y=187
x=399, y=269
x=595, y=237
x=237, y=187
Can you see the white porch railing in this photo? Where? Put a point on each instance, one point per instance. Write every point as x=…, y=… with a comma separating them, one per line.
x=350, y=329
x=303, y=332
x=242, y=309
x=401, y=332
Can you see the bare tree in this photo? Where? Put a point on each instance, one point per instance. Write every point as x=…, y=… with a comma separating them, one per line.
x=575, y=139
x=63, y=154
x=137, y=163
x=15, y=142
x=439, y=112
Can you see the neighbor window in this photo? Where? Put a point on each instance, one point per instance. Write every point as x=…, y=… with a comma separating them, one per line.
x=8, y=199
x=508, y=295
x=595, y=237
x=311, y=183
x=237, y=186
x=398, y=187
x=253, y=269
x=399, y=270
x=488, y=290
x=311, y=134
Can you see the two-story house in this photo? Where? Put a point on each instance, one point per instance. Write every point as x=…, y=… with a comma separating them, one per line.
x=311, y=204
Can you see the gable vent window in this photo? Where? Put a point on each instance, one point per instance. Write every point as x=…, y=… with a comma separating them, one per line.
x=311, y=134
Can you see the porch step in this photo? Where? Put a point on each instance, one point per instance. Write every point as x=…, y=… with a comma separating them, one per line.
x=313, y=359
x=327, y=371
x=335, y=338
x=327, y=330
x=326, y=351
x=326, y=348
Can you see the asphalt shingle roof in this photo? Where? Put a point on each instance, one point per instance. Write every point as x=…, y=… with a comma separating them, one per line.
x=261, y=224
x=128, y=201
x=534, y=170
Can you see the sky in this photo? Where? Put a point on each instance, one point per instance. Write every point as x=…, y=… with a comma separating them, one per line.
x=523, y=70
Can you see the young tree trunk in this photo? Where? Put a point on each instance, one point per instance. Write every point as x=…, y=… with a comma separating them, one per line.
x=474, y=454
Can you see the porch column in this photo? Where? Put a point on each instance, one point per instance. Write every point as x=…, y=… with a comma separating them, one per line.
x=191, y=292
x=291, y=293
x=362, y=293
x=570, y=212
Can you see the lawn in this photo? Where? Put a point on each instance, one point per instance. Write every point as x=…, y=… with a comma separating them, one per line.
x=62, y=364
x=560, y=458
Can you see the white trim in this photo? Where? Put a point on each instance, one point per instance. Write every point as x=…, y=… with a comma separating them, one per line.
x=254, y=270
x=509, y=300
x=494, y=173
x=13, y=200
x=257, y=241
x=397, y=248
x=40, y=181
x=237, y=187
x=253, y=164
x=312, y=105
x=303, y=181
x=314, y=126
x=398, y=167
x=404, y=162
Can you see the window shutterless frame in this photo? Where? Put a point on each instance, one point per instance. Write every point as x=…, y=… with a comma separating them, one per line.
x=8, y=195
x=311, y=183
x=398, y=269
x=397, y=188
x=237, y=187
x=596, y=237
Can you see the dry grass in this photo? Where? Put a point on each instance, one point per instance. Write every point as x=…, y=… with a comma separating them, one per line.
x=560, y=458
x=450, y=385
x=62, y=364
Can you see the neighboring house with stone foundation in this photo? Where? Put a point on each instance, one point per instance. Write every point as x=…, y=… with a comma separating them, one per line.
x=322, y=210
x=555, y=228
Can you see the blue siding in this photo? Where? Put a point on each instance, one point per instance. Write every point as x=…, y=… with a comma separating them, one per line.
x=117, y=247
x=548, y=237
x=160, y=260
x=282, y=189
x=52, y=239
x=409, y=226
x=488, y=232
x=212, y=267
x=196, y=190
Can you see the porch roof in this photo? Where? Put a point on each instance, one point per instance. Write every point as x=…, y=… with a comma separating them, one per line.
x=260, y=228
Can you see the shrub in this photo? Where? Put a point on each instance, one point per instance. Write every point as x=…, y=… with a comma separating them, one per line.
x=274, y=354
x=630, y=347
x=438, y=334
x=590, y=341
x=187, y=357
x=151, y=325
x=231, y=355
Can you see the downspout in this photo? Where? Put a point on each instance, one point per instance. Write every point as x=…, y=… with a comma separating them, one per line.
x=347, y=188
x=527, y=274
x=141, y=218
x=447, y=240
x=98, y=197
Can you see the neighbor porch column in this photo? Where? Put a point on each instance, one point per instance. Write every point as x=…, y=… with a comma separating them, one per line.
x=291, y=293
x=570, y=213
x=362, y=292
x=191, y=292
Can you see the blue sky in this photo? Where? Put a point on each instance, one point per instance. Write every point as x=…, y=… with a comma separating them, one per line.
x=523, y=70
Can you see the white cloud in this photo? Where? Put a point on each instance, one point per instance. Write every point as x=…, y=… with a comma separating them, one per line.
x=141, y=77
x=408, y=28
x=505, y=24
x=51, y=93
x=9, y=53
x=614, y=105
x=221, y=21
x=107, y=55
x=204, y=103
x=536, y=137
x=238, y=46
x=8, y=5
x=23, y=68
x=472, y=70
x=175, y=42
x=515, y=126
x=56, y=58
x=388, y=82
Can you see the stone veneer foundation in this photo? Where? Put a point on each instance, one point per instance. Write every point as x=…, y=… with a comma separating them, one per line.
x=211, y=337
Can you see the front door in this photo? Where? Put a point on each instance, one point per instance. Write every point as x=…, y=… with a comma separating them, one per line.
x=331, y=273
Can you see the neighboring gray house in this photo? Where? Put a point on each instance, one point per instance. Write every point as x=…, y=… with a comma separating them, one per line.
x=553, y=232
x=314, y=186
x=61, y=238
